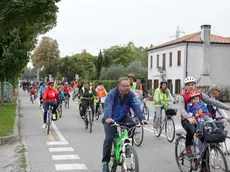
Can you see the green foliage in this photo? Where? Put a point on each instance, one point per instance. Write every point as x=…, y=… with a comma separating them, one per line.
x=20, y=23
x=59, y=76
x=98, y=61
x=29, y=73
x=113, y=72
x=46, y=56
x=108, y=84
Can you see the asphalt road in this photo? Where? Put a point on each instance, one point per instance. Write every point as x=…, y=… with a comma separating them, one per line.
x=70, y=147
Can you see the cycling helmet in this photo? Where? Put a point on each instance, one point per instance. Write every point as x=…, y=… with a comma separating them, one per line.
x=163, y=81
x=189, y=80
x=194, y=94
x=131, y=75
x=66, y=83
x=51, y=83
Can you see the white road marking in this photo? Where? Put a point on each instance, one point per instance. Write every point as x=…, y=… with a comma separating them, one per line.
x=63, y=167
x=63, y=149
x=56, y=143
x=65, y=157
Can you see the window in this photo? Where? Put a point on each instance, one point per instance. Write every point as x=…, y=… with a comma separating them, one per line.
x=157, y=60
x=177, y=86
x=156, y=83
x=151, y=61
x=163, y=61
x=178, y=58
x=170, y=59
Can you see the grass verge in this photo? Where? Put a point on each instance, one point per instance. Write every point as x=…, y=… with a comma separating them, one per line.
x=7, y=118
x=23, y=157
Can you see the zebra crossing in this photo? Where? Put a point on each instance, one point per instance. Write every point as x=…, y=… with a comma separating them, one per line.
x=65, y=157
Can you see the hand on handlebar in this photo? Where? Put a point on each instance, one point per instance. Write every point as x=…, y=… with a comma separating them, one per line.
x=144, y=122
x=109, y=120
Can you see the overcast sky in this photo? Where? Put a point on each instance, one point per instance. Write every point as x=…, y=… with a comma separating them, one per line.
x=99, y=24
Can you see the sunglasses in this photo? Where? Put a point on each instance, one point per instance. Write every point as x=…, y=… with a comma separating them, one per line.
x=217, y=90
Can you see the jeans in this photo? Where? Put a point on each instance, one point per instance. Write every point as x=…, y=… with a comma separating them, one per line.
x=109, y=137
x=190, y=130
x=84, y=107
x=46, y=108
x=97, y=105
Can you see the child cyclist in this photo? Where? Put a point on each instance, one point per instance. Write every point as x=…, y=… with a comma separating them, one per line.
x=199, y=111
x=61, y=95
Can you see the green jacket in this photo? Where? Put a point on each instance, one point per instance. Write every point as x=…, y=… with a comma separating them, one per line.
x=160, y=97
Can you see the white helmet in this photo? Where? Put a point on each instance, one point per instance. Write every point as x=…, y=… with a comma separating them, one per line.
x=189, y=79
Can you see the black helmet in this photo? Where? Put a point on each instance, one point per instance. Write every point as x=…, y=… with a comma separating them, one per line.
x=163, y=81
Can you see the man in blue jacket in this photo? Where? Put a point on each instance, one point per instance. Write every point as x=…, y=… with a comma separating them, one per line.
x=117, y=105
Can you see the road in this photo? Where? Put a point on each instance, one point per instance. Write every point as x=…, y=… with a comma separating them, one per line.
x=70, y=147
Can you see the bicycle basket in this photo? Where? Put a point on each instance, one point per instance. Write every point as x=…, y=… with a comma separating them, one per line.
x=215, y=137
x=171, y=112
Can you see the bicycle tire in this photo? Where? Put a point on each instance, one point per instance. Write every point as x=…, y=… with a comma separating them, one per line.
x=113, y=160
x=141, y=137
x=98, y=113
x=146, y=112
x=174, y=132
x=68, y=103
x=220, y=152
x=176, y=154
x=159, y=129
x=90, y=122
x=48, y=122
x=129, y=148
x=86, y=121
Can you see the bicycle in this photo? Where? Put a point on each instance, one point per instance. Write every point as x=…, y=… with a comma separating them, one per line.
x=88, y=115
x=59, y=109
x=49, y=118
x=204, y=150
x=32, y=98
x=99, y=110
x=146, y=111
x=165, y=123
x=123, y=152
x=66, y=101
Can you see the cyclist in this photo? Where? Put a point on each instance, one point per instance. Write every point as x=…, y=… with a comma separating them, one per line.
x=75, y=88
x=161, y=96
x=133, y=85
x=101, y=92
x=61, y=95
x=188, y=123
x=66, y=89
x=87, y=91
x=141, y=87
x=50, y=97
x=117, y=105
x=32, y=93
x=41, y=91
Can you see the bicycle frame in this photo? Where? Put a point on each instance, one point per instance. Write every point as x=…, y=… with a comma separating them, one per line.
x=120, y=141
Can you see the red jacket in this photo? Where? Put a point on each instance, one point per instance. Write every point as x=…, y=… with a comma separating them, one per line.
x=66, y=89
x=32, y=92
x=186, y=96
x=50, y=95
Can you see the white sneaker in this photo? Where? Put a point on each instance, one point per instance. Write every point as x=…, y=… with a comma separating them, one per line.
x=43, y=125
x=54, y=116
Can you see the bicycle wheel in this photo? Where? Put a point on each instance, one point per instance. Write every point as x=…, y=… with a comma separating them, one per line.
x=146, y=112
x=130, y=160
x=90, y=122
x=68, y=102
x=86, y=121
x=158, y=130
x=48, y=122
x=138, y=135
x=113, y=160
x=60, y=111
x=215, y=156
x=98, y=113
x=170, y=129
x=183, y=162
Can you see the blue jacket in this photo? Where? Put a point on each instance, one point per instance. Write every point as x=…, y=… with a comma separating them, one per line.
x=117, y=108
x=42, y=89
x=193, y=108
x=61, y=95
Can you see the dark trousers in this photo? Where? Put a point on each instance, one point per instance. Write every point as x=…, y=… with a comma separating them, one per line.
x=84, y=105
x=109, y=137
x=46, y=108
x=190, y=130
x=97, y=105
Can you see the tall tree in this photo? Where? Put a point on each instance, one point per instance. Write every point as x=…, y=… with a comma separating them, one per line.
x=46, y=56
x=98, y=64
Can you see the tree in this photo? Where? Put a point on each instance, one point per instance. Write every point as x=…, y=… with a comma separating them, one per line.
x=20, y=23
x=113, y=72
x=46, y=56
x=98, y=64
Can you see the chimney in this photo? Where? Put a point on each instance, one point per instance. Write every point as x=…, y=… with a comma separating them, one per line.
x=205, y=79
